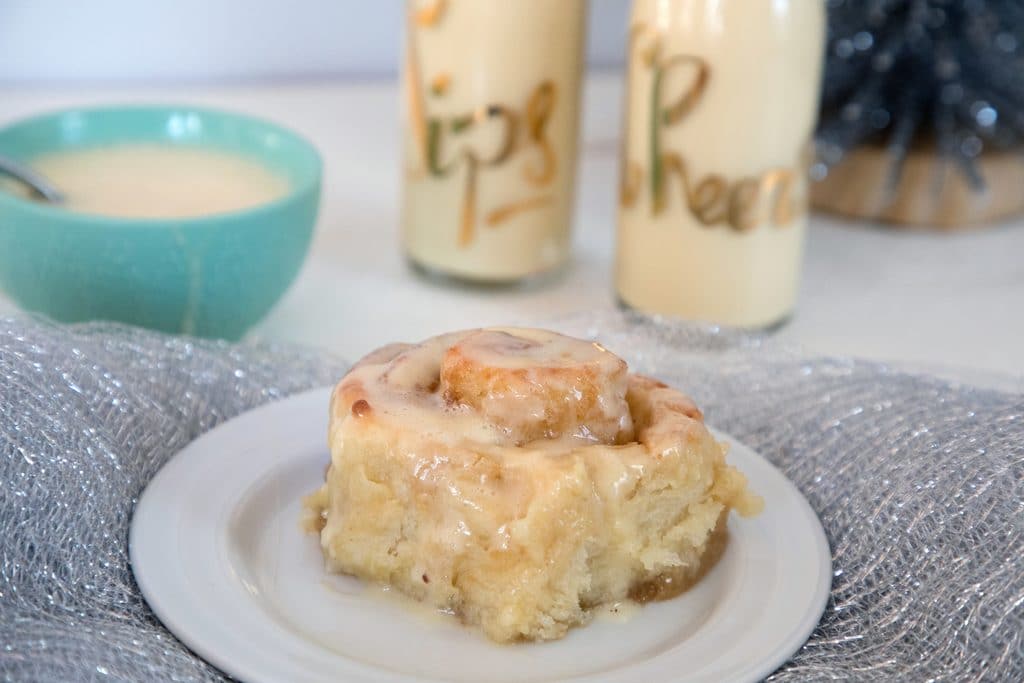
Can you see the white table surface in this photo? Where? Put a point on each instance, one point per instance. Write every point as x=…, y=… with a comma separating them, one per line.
x=947, y=303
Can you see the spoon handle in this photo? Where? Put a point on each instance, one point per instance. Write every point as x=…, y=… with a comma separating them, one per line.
x=38, y=184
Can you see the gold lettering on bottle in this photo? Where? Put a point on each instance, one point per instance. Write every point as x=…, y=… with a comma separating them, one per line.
x=503, y=213
x=538, y=112
x=630, y=173
x=664, y=117
x=708, y=201
x=779, y=185
x=469, y=157
x=522, y=131
x=742, y=204
x=439, y=84
x=430, y=13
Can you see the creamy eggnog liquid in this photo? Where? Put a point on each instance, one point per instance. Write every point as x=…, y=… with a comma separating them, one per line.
x=721, y=102
x=491, y=95
x=158, y=181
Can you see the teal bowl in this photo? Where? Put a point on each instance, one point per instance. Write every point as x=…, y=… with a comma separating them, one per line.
x=214, y=276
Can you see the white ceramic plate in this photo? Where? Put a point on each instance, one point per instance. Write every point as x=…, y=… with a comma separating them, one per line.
x=218, y=552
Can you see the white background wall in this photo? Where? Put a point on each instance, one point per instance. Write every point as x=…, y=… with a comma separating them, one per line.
x=47, y=41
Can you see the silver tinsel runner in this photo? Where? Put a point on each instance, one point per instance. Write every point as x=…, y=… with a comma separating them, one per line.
x=918, y=482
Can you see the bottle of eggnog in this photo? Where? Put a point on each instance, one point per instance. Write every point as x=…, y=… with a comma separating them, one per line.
x=491, y=98
x=721, y=102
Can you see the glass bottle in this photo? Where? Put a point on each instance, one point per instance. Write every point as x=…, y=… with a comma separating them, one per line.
x=491, y=96
x=721, y=103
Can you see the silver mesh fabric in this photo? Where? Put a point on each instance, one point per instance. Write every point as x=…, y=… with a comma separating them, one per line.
x=919, y=484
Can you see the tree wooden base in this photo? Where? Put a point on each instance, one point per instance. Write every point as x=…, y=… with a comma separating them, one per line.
x=931, y=192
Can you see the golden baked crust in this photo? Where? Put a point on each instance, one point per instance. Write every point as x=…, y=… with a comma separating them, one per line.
x=518, y=478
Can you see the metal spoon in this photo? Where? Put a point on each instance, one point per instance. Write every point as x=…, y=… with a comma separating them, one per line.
x=40, y=186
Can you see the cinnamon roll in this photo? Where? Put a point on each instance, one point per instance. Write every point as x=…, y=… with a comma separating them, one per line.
x=519, y=478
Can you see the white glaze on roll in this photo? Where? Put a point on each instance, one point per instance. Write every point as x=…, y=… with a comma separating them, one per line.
x=500, y=386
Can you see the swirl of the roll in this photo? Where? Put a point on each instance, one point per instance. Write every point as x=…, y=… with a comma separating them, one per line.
x=503, y=386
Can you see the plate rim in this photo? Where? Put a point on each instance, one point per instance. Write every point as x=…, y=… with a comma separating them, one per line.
x=784, y=648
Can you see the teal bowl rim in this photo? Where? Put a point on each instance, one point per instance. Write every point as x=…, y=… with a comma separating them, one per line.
x=9, y=200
